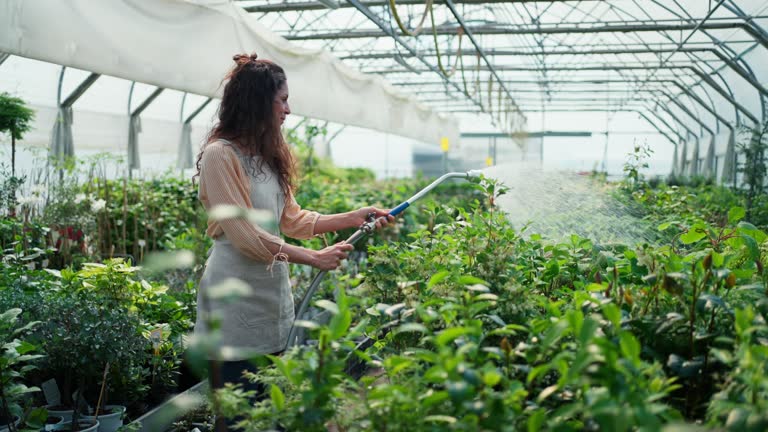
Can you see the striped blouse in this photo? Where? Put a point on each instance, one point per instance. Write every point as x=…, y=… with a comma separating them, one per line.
x=223, y=181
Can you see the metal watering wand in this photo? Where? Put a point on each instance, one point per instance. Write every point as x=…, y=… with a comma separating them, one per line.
x=364, y=230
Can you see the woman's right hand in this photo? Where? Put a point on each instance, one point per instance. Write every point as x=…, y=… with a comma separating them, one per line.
x=330, y=257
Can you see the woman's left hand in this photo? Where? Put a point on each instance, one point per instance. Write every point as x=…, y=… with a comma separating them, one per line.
x=383, y=218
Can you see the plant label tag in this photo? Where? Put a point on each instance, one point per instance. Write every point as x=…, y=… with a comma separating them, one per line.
x=51, y=392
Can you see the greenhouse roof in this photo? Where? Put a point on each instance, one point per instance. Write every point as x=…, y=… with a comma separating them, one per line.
x=679, y=71
x=686, y=66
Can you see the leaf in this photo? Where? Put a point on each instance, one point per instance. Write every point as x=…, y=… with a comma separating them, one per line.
x=411, y=327
x=595, y=287
x=753, y=231
x=536, y=421
x=752, y=247
x=547, y=392
x=395, y=364
x=708, y=302
x=340, y=324
x=437, y=278
x=684, y=368
x=486, y=297
x=278, y=398
x=10, y=315
x=450, y=334
x=669, y=321
x=588, y=329
x=613, y=314
x=432, y=397
x=55, y=273
x=736, y=214
x=328, y=305
x=440, y=419
x=630, y=347
x=478, y=288
x=694, y=234
x=491, y=378
x=666, y=225
x=471, y=280
x=311, y=325
x=394, y=309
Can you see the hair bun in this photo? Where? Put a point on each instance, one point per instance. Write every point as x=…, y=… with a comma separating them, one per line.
x=242, y=59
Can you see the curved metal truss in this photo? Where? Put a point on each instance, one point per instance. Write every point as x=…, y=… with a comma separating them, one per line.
x=686, y=66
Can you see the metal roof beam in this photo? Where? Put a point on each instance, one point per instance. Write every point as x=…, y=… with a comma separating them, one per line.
x=676, y=83
x=479, y=50
x=138, y=110
x=559, y=29
x=389, y=32
x=695, y=70
x=80, y=90
x=316, y=5
x=499, y=52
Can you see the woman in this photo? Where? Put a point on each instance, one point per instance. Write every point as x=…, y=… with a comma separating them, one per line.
x=247, y=163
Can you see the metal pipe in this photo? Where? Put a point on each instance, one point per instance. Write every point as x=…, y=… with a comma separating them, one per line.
x=389, y=32
x=479, y=49
x=685, y=110
x=80, y=90
x=315, y=5
x=198, y=110
x=695, y=70
x=147, y=101
x=496, y=30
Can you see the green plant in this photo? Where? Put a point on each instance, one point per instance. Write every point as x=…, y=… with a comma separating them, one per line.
x=15, y=119
x=741, y=404
x=754, y=166
x=636, y=161
x=15, y=362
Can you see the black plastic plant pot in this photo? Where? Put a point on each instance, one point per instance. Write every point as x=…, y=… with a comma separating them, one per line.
x=54, y=420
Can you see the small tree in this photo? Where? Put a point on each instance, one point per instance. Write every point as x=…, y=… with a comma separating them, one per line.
x=754, y=168
x=16, y=119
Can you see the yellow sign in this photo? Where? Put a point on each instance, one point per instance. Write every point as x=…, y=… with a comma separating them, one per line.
x=444, y=144
x=489, y=161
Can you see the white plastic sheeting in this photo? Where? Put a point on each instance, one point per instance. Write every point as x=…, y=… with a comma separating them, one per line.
x=709, y=161
x=184, y=156
x=134, y=129
x=729, y=170
x=62, y=145
x=188, y=46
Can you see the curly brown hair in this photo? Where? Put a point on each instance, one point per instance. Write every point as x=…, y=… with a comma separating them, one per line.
x=247, y=118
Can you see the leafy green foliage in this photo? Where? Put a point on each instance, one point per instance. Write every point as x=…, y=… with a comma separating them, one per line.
x=15, y=116
x=16, y=360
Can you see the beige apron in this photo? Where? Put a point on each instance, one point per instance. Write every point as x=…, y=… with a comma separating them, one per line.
x=259, y=322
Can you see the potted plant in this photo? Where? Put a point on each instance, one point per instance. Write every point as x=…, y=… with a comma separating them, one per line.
x=38, y=419
x=83, y=335
x=83, y=425
x=15, y=361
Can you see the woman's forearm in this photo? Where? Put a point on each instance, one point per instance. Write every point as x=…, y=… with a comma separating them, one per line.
x=296, y=254
x=328, y=258
x=336, y=222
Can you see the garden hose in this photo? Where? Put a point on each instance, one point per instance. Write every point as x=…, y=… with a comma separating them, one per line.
x=364, y=230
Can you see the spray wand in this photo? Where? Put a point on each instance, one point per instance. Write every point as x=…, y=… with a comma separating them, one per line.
x=365, y=230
